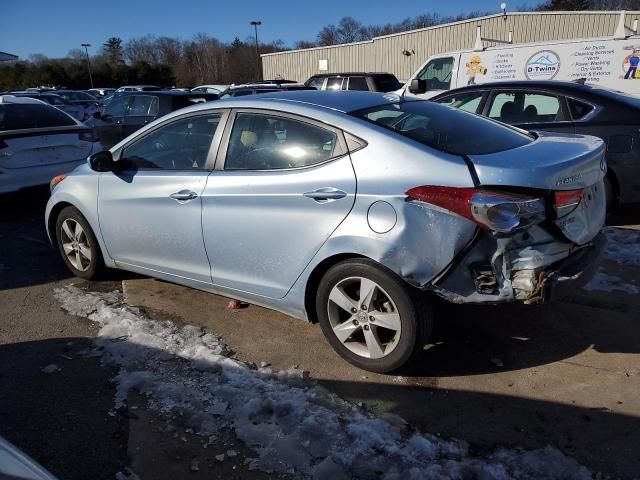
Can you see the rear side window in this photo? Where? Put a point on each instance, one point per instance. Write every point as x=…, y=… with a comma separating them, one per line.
x=525, y=107
x=24, y=116
x=386, y=83
x=268, y=142
x=334, y=83
x=579, y=109
x=444, y=129
x=358, y=83
x=140, y=106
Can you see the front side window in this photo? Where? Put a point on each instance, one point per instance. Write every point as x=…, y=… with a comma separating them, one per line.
x=267, y=142
x=437, y=73
x=180, y=145
x=316, y=83
x=445, y=129
x=27, y=115
x=469, y=102
x=118, y=107
x=358, y=83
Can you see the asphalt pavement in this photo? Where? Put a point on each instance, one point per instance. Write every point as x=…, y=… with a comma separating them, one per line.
x=563, y=374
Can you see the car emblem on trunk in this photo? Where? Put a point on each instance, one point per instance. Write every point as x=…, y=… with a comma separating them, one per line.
x=603, y=165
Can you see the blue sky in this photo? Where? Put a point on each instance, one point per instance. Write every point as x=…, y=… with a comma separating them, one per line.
x=53, y=28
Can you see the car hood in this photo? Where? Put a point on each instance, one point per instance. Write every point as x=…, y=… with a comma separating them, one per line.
x=550, y=162
x=555, y=162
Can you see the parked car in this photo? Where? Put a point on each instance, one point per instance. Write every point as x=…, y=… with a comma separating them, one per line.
x=101, y=92
x=217, y=89
x=361, y=81
x=16, y=465
x=567, y=107
x=255, y=88
x=38, y=142
x=130, y=111
x=350, y=208
x=137, y=88
x=77, y=97
x=50, y=97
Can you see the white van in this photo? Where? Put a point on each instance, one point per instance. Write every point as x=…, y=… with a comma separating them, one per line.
x=611, y=62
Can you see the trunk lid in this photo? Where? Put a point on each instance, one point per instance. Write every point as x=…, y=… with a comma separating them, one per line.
x=554, y=162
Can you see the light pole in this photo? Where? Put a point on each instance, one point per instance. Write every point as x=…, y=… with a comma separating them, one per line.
x=86, y=50
x=255, y=24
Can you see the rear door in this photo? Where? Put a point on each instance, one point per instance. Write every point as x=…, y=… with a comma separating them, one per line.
x=281, y=186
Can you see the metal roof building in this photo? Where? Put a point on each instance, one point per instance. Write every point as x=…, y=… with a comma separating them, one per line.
x=385, y=54
x=7, y=57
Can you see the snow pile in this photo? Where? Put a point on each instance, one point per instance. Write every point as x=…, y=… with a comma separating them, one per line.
x=293, y=425
x=623, y=246
x=610, y=283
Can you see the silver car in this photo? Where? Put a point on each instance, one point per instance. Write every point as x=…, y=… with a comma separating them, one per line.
x=352, y=209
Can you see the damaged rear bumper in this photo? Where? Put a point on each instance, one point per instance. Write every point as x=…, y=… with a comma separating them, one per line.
x=490, y=272
x=570, y=274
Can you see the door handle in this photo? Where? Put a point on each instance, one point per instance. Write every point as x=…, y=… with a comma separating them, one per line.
x=325, y=194
x=184, y=196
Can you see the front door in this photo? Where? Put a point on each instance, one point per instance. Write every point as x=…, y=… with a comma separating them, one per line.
x=285, y=186
x=150, y=209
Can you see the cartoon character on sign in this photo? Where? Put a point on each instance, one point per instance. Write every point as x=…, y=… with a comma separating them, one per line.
x=631, y=64
x=474, y=68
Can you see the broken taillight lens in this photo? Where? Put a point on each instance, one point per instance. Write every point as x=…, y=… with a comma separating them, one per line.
x=566, y=201
x=496, y=211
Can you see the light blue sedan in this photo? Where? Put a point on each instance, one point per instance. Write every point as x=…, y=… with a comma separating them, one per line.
x=352, y=209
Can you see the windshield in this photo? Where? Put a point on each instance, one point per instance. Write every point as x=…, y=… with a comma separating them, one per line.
x=445, y=129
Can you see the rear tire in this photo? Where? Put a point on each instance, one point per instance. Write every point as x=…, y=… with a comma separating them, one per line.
x=370, y=316
x=609, y=194
x=77, y=244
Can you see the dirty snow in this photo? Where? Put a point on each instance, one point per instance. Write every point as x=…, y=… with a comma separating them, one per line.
x=622, y=248
x=293, y=425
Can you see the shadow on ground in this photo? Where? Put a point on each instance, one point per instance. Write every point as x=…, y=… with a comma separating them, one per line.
x=61, y=420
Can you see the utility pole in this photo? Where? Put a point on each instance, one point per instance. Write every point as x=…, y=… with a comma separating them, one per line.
x=255, y=24
x=86, y=50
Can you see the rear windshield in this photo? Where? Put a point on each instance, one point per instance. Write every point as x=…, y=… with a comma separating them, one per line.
x=24, y=116
x=386, y=83
x=445, y=129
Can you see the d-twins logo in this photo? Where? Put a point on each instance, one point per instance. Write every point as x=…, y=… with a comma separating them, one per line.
x=543, y=65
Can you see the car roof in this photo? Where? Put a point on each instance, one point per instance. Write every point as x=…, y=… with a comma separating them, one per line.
x=341, y=101
x=13, y=99
x=558, y=84
x=347, y=74
x=167, y=93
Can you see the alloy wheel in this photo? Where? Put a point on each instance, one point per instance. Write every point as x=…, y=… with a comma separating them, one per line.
x=364, y=317
x=76, y=245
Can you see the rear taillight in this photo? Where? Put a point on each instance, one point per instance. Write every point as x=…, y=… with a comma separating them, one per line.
x=566, y=201
x=88, y=136
x=496, y=211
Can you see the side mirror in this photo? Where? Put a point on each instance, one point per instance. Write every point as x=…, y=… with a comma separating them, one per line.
x=418, y=86
x=97, y=114
x=102, y=161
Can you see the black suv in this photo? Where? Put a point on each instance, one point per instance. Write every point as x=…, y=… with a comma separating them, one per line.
x=130, y=111
x=373, y=82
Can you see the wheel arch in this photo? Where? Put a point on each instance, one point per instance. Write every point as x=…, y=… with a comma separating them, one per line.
x=53, y=217
x=313, y=281
x=615, y=183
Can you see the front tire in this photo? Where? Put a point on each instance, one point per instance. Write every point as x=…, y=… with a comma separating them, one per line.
x=370, y=317
x=77, y=244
